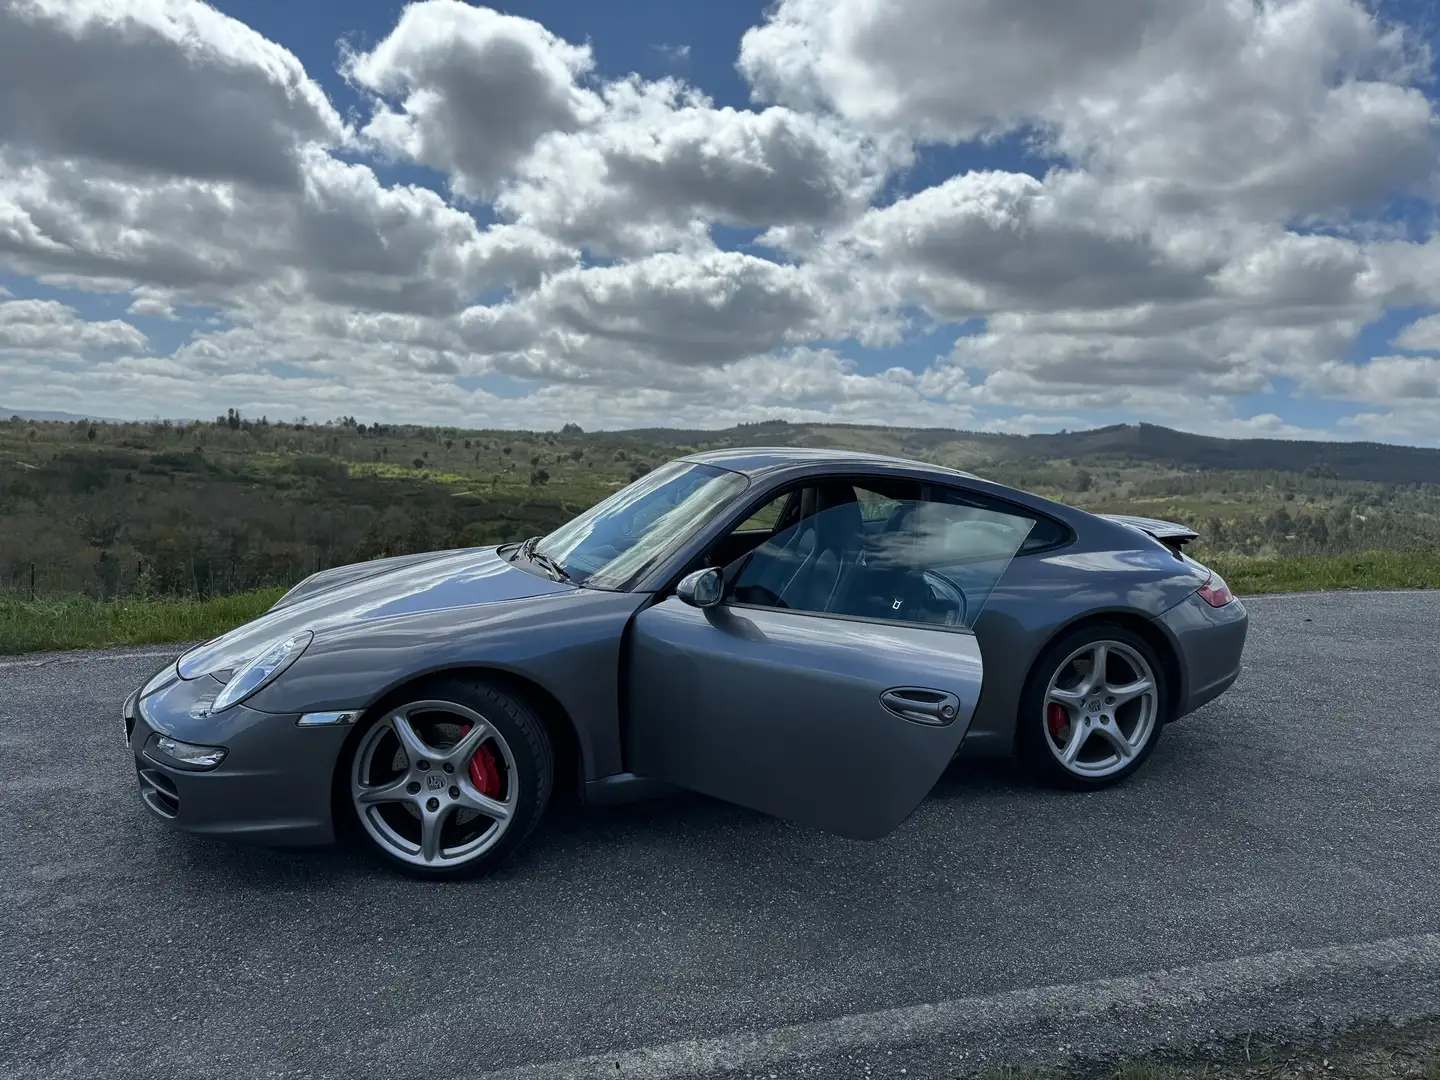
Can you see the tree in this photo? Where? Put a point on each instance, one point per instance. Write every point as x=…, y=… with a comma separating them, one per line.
x=419, y=463
x=91, y=433
x=538, y=477
x=571, y=429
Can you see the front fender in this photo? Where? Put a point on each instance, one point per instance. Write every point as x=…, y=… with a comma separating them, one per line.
x=568, y=643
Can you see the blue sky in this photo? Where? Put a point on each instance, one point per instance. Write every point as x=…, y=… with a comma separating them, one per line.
x=939, y=212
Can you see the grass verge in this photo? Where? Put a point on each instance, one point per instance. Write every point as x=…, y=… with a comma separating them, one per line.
x=1318, y=573
x=81, y=623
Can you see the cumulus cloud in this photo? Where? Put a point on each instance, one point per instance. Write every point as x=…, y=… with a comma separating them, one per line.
x=662, y=165
x=473, y=90
x=1208, y=224
x=48, y=327
x=985, y=242
x=343, y=238
x=1291, y=108
x=1423, y=335
x=162, y=87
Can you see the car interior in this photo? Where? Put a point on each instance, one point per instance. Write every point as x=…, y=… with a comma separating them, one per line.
x=877, y=551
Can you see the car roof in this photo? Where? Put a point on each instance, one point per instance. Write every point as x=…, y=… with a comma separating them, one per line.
x=754, y=460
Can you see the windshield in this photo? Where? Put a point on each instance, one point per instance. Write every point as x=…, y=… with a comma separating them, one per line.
x=616, y=540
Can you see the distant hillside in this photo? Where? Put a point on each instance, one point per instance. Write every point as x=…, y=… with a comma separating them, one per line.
x=1122, y=444
x=57, y=417
x=1377, y=462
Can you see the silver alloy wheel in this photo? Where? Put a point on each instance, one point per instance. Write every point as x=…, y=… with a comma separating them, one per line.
x=411, y=784
x=1107, y=694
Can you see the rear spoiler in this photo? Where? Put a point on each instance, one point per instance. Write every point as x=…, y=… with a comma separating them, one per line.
x=1168, y=533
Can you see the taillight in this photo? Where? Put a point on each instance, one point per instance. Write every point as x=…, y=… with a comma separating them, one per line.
x=1215, y=592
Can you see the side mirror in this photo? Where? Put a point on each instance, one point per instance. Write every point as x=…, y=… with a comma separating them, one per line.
x=700, y=589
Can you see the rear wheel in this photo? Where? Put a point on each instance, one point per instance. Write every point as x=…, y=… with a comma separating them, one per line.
x=448, y=782
x=1093, y=708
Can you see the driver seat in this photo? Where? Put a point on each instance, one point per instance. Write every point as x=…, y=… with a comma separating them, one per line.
x=832, y=536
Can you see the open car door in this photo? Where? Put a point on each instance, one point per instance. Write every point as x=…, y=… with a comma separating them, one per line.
x=834, y=679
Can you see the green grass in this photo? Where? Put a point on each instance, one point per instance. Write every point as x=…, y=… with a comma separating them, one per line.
x=1248, y=576
x=81, y=623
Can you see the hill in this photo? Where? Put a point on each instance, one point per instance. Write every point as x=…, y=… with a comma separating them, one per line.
x=1120, y=444
x=223, y=506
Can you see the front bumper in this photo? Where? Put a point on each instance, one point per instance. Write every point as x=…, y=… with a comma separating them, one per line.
x=1210, y=642
x=273, y=788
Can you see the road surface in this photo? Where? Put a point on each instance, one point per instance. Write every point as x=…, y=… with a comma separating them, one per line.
x=1274, y=866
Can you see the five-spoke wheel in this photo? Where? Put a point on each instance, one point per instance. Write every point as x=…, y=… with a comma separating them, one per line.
x=1093, y=708
x=444, y=784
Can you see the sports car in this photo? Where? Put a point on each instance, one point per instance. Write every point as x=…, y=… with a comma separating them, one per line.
x=812, y=634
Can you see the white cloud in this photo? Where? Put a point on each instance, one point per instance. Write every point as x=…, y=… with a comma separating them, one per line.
x=151, y=305
x=662, y=165
x=986, y=242
x=1287, y=108
x=1387, y=380
x=1423, y=335
x=50, y=328
x=1205, y=232
x=645, y=322
x=343, y=238
x=942, y=69
x=475, y=90
x=161, y=87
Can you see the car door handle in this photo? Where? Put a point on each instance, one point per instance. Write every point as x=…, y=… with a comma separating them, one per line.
x=921, y=705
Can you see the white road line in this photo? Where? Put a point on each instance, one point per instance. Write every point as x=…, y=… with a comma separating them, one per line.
x=92, y=657
x=1041, y=1009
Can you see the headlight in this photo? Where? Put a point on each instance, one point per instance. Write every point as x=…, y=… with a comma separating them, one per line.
x=252, y=675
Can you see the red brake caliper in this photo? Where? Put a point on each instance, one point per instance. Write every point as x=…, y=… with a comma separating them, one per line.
x=484, y=772
x=1057, y=720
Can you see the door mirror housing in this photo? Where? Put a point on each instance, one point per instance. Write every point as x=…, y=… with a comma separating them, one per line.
x=701, y=589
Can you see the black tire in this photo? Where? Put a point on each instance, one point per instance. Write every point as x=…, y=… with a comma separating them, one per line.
x=1034, y=742
x=534, y=772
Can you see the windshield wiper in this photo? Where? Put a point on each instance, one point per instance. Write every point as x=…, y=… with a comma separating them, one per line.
x=545, y=562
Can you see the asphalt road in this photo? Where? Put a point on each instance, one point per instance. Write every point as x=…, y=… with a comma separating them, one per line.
x=1275, y=865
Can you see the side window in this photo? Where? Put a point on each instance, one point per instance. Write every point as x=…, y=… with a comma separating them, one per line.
x=1046, y=534
x=766, y=518
x=923, y=560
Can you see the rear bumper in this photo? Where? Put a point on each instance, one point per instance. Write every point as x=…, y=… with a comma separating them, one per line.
x=1210, y=642
x=273, y=788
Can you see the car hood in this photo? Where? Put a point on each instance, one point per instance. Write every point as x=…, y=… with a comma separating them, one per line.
x=408, y=586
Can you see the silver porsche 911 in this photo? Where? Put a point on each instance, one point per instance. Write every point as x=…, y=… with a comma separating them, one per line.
x=758, y=625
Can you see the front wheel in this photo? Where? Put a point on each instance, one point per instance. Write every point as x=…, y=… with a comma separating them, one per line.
x=447, y=783
x=1093, y=708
